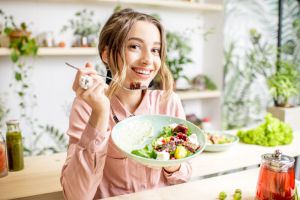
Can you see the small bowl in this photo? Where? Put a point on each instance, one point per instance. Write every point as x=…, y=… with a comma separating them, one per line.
x=221, y=147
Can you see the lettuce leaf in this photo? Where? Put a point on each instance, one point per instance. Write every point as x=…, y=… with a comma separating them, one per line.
x=272, y=132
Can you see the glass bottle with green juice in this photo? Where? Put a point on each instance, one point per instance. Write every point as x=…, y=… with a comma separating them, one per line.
x=14, y=146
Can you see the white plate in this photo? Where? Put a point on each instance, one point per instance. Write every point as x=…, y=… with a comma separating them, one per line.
x=221, y=147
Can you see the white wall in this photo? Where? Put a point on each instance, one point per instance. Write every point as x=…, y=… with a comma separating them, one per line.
x=52, y=80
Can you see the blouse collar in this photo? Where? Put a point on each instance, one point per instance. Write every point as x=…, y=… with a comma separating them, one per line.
x=121, y=113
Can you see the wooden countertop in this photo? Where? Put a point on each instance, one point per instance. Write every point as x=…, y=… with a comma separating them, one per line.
x=40, y=178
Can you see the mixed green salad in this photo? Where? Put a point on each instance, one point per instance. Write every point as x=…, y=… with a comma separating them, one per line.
x=174, y=142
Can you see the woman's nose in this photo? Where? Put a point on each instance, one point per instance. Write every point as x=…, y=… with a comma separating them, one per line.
x=146, y=57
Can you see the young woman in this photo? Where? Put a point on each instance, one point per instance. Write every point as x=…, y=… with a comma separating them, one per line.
x=133, y=47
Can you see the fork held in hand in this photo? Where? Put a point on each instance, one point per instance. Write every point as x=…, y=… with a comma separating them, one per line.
x=131, y=88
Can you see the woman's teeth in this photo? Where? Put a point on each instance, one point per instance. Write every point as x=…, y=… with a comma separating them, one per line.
x=144, y=72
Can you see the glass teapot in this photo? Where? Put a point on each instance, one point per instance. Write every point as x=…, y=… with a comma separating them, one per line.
x=276, y=179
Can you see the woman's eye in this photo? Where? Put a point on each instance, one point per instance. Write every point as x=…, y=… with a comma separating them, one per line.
x=134, y=46
x=156, y=51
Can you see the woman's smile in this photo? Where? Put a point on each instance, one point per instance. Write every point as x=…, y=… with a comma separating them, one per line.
x=142, y=72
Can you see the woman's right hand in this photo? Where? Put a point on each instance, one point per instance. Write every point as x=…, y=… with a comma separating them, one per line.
x=95, y=97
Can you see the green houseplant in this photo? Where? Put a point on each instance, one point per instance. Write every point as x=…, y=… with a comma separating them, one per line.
x=284, y=84
x=83, y=28
x=21, y=42
x=177, y=54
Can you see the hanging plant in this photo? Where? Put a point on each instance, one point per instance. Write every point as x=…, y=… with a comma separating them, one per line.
x=22, y=46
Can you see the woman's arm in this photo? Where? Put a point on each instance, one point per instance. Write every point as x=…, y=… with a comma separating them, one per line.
x=88, y=131
x=83, y=169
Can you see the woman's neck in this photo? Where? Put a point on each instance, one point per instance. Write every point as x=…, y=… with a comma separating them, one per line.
x=130, y=99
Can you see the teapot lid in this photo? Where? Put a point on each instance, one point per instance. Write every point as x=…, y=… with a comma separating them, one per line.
x=277, y=161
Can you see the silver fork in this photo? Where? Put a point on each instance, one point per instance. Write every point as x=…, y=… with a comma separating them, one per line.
x=142, y=87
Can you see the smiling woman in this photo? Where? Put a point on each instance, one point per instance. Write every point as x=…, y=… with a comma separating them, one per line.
x=132, y=46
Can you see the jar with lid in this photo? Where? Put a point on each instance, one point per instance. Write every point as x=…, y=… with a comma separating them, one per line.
x=276, y=177
x=14, y=146
x=3, y=157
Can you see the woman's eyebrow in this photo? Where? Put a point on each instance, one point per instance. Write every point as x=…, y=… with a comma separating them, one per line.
x=142, y=41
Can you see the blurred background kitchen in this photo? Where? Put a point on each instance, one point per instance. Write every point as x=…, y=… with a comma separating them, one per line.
x=233, y=61
x=221, y=54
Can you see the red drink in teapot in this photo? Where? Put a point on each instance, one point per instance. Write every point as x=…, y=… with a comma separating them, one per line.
x=276, y=179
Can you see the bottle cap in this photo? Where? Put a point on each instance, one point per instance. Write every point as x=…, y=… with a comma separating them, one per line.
x=12, y=122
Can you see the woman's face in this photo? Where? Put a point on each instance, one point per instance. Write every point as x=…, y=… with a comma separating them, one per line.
x=142, y=53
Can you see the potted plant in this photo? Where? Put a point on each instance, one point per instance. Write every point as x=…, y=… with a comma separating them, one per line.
x=177, y=55
x=20, y=40
x=83, y=27
x=284, y=85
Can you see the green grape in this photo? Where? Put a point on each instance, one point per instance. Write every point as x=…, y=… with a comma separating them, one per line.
x=222, y=196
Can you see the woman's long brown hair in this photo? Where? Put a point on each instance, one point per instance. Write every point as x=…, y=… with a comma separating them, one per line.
x=112, y=41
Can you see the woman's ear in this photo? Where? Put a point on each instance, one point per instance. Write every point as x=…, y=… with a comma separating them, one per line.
x=104, y=55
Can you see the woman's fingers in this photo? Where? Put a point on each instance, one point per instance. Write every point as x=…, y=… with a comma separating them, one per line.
x=98, y=86
x=88, y=65
x=87, y=70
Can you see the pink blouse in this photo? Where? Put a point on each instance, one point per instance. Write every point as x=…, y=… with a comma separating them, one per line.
x=94, y=168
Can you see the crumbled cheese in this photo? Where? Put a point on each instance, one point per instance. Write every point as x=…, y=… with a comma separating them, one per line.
x=173, y=125
x=159, y=141
x=193, y=139
x=163, y=155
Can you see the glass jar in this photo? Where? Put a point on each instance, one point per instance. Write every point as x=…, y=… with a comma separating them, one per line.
x=14, y=146
x=276, y=178
x=3, y=157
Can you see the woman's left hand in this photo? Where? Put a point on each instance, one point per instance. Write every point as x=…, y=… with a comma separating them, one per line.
x=172, y=169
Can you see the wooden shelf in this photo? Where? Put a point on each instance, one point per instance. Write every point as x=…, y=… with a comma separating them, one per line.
x=192, y=94
x=56, y=51
x=169, y=4
x=175, y=4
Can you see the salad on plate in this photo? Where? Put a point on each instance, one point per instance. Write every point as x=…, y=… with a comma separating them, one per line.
x=175, y=141
x=219, y=141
